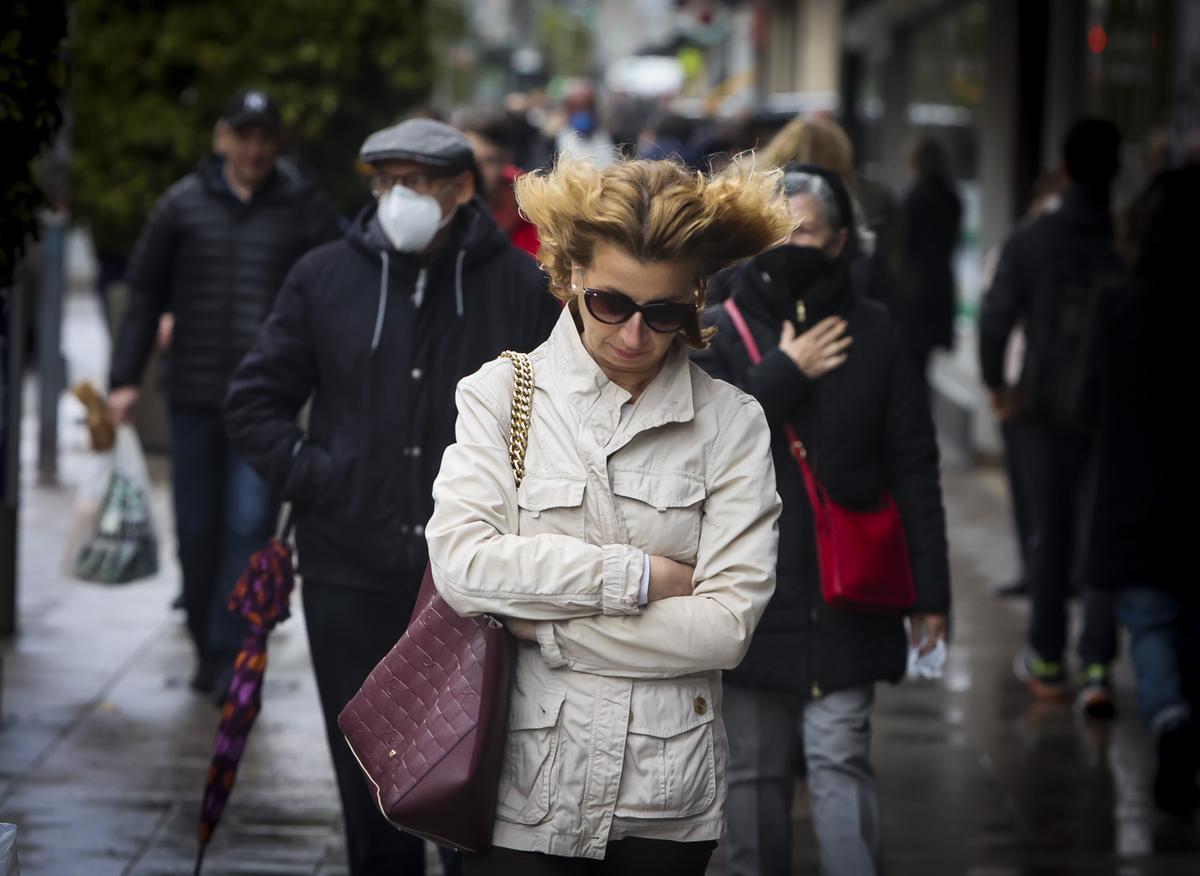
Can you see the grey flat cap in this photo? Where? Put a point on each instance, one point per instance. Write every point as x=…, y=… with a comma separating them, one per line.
x=422, y=140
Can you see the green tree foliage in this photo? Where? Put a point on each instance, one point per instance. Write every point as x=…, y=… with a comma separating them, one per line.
x=31, y=80
x=151, y=77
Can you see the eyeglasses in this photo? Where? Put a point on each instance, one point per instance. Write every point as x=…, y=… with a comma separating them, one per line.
x=614, y=308
x=420, y=181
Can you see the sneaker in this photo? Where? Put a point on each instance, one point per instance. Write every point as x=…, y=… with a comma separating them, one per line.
x=1044, y=678
x=1175, y=788
x=1094, y=698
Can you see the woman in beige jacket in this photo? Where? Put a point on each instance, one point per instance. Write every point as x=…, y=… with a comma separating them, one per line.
x=638, y=553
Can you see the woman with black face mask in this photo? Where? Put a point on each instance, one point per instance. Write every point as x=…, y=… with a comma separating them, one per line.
x=833, y=369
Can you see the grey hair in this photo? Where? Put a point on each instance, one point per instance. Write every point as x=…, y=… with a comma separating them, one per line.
x=801, y=183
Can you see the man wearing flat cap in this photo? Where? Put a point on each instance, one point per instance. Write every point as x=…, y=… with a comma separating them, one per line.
x=378, y=328
x=214, y=253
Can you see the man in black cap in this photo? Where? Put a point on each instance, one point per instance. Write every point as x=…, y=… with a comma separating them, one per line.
x=214, y=253
x=378, y=328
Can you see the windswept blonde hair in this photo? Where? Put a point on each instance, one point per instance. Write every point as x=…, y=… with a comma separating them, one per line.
x=655, y=211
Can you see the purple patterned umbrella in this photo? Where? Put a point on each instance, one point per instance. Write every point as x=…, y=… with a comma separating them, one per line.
x=261, y=596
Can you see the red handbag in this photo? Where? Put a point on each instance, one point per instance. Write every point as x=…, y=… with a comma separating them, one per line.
x=428, y=724
x=862, y=555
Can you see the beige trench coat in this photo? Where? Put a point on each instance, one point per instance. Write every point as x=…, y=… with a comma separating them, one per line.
x=614, y=727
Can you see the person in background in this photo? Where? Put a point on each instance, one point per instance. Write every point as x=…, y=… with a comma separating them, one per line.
x=1047, y=196
x=637, y=554
x=377, y=328
x=213, y=255
x=932, y=214
x=835, y=368
x=1135, y=544
x=579, y=128
x=1046, y=281
x=490, y=134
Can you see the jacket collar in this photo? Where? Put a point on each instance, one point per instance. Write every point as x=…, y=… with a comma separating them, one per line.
x=574, y=375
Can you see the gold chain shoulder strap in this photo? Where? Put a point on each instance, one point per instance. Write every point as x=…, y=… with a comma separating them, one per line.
x=522, y=407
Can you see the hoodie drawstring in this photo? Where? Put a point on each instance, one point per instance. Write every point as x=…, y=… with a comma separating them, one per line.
x=383, y=284
x=458, y=287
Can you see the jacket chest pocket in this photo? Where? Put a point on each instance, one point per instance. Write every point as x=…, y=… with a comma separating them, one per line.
x=530, y=752
x=662, y=511
x=670, y=766
x=550, y=505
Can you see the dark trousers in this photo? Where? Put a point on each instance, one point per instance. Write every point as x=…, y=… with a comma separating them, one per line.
x=224, y=512
x=349, y=631
x=1056, y=462
x=1016, y=465
x=622, y=858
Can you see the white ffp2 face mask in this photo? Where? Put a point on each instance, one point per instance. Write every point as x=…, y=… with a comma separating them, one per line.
x=410, y=220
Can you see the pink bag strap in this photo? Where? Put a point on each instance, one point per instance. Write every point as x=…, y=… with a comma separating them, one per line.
x=799, y=452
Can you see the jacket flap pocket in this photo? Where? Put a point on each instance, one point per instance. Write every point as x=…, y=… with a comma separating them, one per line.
x=534, y=711
x=661, y=490
x=668, y=709
x=541, y=493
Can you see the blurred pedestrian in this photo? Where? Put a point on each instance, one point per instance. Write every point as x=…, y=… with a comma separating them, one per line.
x=932, y=214
x=580, y=130
x=834, y=367
x=1046, y=280
x=213, y=254
x=377, y=328
x=665, y=135
x=637, y=555
x=1136, y=548
x=489, y=132
x=1047, y=195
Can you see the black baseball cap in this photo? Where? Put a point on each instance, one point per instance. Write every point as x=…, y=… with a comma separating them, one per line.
x=253, y=107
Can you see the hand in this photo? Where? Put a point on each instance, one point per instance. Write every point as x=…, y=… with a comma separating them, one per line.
x=166, y=331
x=669, y=578
x=522, y=629
x=1005, y=403
x=820, y=349
x=122, y=404
x=930, y=627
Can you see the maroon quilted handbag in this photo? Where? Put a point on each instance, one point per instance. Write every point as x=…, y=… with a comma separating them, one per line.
x=428, y=724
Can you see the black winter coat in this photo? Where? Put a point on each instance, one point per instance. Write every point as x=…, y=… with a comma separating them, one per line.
x=932, y=222
x=216, y=263
x=867, y=429
x=1047, y=278
x=380, y=339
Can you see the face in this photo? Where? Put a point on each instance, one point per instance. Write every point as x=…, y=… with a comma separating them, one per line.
x=250, y=152
x=630, y=351
x=812, y=228
x=491, y=159
x=449, y=191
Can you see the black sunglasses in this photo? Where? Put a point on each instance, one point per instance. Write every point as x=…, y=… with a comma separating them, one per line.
x=613, y=308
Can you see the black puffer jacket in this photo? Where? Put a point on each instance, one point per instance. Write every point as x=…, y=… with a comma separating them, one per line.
x=383, y=367
x=867, y=428
x=216, y=263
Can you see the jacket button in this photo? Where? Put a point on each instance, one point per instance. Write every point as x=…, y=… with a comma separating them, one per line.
x=700, y=704
x=816, y=691
x=416, y=373
x=418, y=529
x=412, y=451
x=405, y=529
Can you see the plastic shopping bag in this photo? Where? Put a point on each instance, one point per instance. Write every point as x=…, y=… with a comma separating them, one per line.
x=122, y=546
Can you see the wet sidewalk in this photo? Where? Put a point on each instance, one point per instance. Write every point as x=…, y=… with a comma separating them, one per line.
x=103, y=748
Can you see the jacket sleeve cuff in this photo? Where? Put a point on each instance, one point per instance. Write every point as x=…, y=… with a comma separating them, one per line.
x=549, y=645
x=622, y=579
